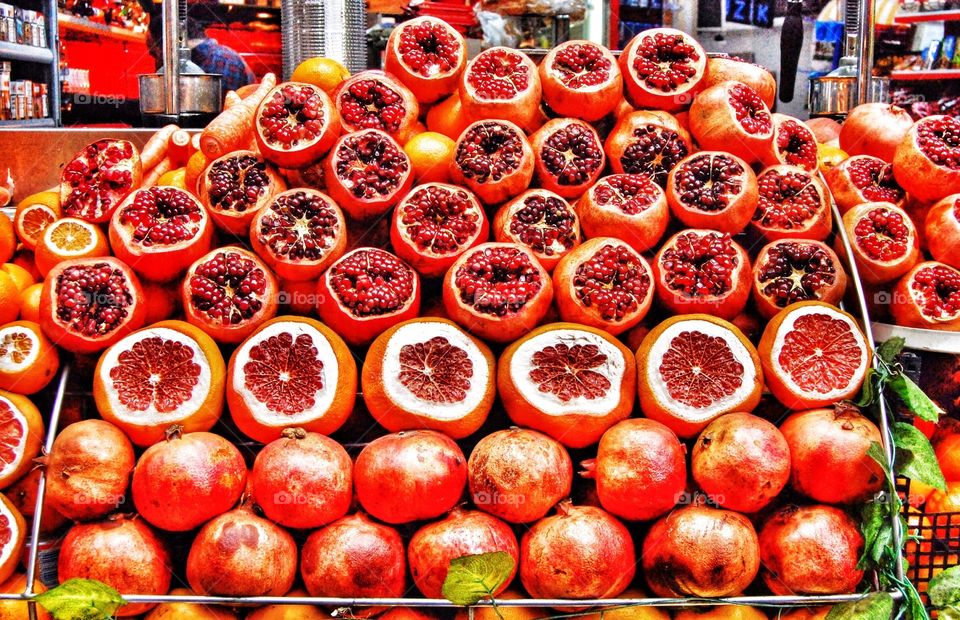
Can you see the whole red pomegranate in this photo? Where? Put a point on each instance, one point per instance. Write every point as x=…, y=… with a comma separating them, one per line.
x=462, y=532
x=700, y=551
x=810, y=550
x=410, y=476
x=875, y=129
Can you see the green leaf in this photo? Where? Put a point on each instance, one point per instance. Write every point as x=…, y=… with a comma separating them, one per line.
x=875, y=451
x=949, y=613
x=473, y=577
x=944, y=589
x=81, y=599
x=889, y=349
x=876, y=606
x=913, y=397
x=915, y=607
x=877, y=533
x=868, y=392
x=915, y=457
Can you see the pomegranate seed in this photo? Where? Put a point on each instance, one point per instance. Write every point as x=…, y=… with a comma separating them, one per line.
x=545, y=224
x=938, y=288
x=92, y=299
x=497, y=74
x=750, y=110
x=300, y=226
x=654, y=151
x=428, y=48
x=489, y=151
x=572, y=154
x=664, y=62
x=372, y=103
x=439, y=219
x=370, y=165
x=708, y=182
x=613, y=281
x=372, y=282
x=792, y=271
x=498, y=281
x=237, y=183
x=294, y=114
x=631, y=193
x=939, y=139
x=882, y=234
x=786, y=200
x=162, y=216
x=582, y=65
x=700, y=264
x=228, y=287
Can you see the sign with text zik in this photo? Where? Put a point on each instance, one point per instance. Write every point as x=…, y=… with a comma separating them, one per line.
x=751, y=12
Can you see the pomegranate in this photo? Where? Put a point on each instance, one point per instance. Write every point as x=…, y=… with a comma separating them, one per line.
x=942, y=228
x=228, y=293
x=927, y=160
x=582, y=552
x=875, y=129
x=792, y=270
x=501, y=83
x=827, y=131
x=367, y=173
x=541, y=221
x=241, y=554
x=87, y=304
x=731, y=116
x=23, y=496
x=461, y=533
x=810, y=550
x=428, y=56
x=604, y=283
x=793, y=144
x=647, y=142
x=662, y=69
x=296, y=124
x=493, y=159
x=581, y=79
x=122, y=552
x=883, y=239
x=722, y=67
x=631, y=207
x=410, y=476
x=741, y=462
x=434, y=224
x=236, y=186
x=354, y=557
x=88, y=470
x=568, y=156
x=187, y=480
x=712, y=189
x=699, y=270
x=497, y=291
x=366, y=292
x=861, y=179
x=791, y=203
x=518, y=474
x=375, y=100
x=98, y=178
x=928, y=297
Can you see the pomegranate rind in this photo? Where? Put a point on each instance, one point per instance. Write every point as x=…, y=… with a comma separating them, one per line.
x=859, y=134
x=781, y=380
x=324, y=411
x=397, y=408
x=198, y=410
x=713, y=124
x=589, y=103
x=100, y=214
x=723, y=68
x=549, y=181
x=687, y=419
x=440, y=83
x=26, y=372
x=874, y=271
x=831, y=293
x=406, y=127
x=641, y=231
x=845, y=193
x=491, y=191
x=925, y=180
x=906, y=304
x=641, y=97
x=238, y=222
x=341, y=192
x=314, y=149
x=521, y=109
x=580, y=419
x=818, y=227
x=556, y=250
x=943, y=231
x=23, y=414
x=732, y=218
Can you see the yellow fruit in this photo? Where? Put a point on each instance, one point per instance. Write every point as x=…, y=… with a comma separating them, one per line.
x=324, y=73
x=430, y=155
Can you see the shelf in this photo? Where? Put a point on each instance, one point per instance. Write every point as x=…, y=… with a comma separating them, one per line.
x=925, y=75
x=30, y=123
x=926, y=16
x=29, y=53
x=80, y=24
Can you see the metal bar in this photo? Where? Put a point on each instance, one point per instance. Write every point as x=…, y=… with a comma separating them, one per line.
x=171, y=58
x=53, y=40
x=865, y=51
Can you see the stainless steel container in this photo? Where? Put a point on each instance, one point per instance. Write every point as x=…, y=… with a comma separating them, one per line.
x=836, y=95
x=200, y=93
x=331, y=28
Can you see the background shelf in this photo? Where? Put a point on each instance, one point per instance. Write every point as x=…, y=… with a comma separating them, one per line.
x=29, y=53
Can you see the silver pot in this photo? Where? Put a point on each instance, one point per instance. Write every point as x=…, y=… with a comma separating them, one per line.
x=835, y=95
x=200, y=93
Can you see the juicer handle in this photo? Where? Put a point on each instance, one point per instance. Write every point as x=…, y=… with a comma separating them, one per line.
x=791, y=40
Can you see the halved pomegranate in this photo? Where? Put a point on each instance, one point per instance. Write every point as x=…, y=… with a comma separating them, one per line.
x=494, y=159
x=928, y=297
x=497, y=291
x=296, y=124
x=793, y=144
x=228, y=293
x=428, y=56
x=501, y=83
x=87, y=304
x=366, y=292
x=374, y=100
x=98, y=178
x=927, y=161
x=662, y=69
x=581, y=79
x=160, y=231
x=875, y=129
x=883, y=239
x=367, y=173
x=236, y=186
x=942, y=228
x=723, y=67
x=792, y=270
x=791, y=204
x=647, y=142
x=539, y=220
x=568, y=156
x=604, y=283
x=299, y=234
x=699, y=270
x=711, y=189
x=631, y=207
x=863, y=178
x=732, y=117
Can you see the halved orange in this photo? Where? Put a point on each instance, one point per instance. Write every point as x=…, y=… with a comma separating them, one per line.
x=30, y=302
x=21, y=434
x=13, y=532
x=20, y=276
x=34, y=213
x=28, y=360
x=723, y=612
x=69, y=238
x=168, y=373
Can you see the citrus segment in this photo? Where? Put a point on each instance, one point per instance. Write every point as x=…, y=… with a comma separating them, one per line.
x=31, y=221
x=21, y=431
x=69, y=238
x=28, y=360
x=13, y=530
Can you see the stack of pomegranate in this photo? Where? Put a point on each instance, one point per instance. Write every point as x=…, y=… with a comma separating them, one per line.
x=658, y=302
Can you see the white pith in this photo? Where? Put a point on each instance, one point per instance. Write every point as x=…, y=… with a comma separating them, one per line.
x=10, y=546
x=19, y=447
x=7, y=364
x=546, y=402
x=329, y=375
x=48, y=238
x=415, y=333
x=739, y=351
x=151, y=415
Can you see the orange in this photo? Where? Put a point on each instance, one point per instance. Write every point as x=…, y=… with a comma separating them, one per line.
x=505, y=612
x=174, y=178
x=624, y=613
x=163, y=301
x=30, y=302
x=17, y=610
x=723, y=612
x=815, y=613
x=25, y=258
x=67, y=239
x=194, y=170
x=430, y=155
x=292, y=612
x=8, y=239
x=940, y=502
x=191, y=611
x=20, y=276
x=447, y=117
x=28, y=360
x=13, y=531
x=31, y=221
x=948, y=453
x=21, y=432
x=829, y=156
x=9, y=298
x=324, y=73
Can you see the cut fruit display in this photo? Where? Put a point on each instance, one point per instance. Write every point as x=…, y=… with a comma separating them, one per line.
x=69, y=238
x=22, y=429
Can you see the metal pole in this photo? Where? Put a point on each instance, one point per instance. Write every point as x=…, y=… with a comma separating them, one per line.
x=171, y=58
x=53, y=41
x=865, y=51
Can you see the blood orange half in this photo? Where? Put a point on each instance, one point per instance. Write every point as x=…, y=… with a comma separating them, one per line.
x=28, y=360
x=695, y=368
x=813, y=355
x=168, y=373
x=13, y=531
x=21, y=433
x=292, y=371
